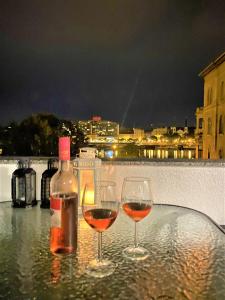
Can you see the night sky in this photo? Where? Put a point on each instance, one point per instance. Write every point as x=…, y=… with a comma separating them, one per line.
x=131, y=61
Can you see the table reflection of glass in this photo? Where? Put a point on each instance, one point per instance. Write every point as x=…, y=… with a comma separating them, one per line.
x=186, y=261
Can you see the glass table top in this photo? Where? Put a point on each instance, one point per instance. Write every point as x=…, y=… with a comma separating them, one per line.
x=187, y=258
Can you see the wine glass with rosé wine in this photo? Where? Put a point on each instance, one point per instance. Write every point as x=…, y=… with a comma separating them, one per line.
x=137, y=204
x=100, y=209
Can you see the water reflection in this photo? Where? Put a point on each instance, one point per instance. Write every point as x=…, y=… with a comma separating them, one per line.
x=171, y=153
x=156, y=153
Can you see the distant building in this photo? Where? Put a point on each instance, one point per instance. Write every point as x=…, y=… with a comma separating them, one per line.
x=126, y=135
x=114, y=141
x=131, y=134
x=99, y=127
x=199, y=133
x=85, y=126
x=212, y=116
x=159, y=131
x=181, y=131
x=139, y=134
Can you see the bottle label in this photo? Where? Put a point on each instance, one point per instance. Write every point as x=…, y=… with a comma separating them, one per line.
x=55, y=211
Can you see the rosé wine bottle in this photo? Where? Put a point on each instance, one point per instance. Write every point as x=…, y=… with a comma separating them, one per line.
x=63, y=203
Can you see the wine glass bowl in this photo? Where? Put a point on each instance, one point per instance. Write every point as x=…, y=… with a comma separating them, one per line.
x=137, y=204
x=100, y=209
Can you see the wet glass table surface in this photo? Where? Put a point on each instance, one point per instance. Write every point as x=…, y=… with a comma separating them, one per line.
x=187, y=258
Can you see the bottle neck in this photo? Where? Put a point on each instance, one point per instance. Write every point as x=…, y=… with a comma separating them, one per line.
x=65, y=165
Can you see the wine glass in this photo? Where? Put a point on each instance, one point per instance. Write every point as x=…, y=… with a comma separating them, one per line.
x=137, y=204
x=100, y=209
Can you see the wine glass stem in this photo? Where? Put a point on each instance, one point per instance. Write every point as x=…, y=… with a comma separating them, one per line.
x=135, y=234
x=100, y=246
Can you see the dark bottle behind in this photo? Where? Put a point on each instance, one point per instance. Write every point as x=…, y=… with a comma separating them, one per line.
x=23, y=185
x=45, y=183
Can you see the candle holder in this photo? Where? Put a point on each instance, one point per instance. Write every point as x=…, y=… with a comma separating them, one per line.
x=88, y=168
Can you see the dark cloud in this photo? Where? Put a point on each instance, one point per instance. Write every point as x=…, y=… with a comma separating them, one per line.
x=78, y=58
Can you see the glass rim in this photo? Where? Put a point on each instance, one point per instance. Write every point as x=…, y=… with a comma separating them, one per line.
x=105, y=183
x=137, y=178
x=102, y=183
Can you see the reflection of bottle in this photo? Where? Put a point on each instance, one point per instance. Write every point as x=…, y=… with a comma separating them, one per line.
x=24, y=185
x=63, y=203
x=61, y=269
x=22, y=251
x=56, y=269
x=45, y=183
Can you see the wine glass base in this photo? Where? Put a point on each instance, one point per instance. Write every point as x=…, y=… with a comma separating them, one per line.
x=101, y=268
x=136, y=253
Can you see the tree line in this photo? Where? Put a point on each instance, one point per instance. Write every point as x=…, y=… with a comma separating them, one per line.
x=38, y=135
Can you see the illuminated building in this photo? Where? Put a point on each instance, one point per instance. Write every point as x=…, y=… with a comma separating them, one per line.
x=131, y=135
x=159, y=131
x=112, y=141
x=199, y=132
x=98, y=127
x=85, y=126
x=181, y=131
x=213, y=112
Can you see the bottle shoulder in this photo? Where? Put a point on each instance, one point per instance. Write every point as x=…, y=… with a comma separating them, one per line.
x=64, y=176
x=63, y=181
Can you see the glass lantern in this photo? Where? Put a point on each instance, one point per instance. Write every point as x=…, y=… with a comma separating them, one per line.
x=88, y=167
x=23, y=185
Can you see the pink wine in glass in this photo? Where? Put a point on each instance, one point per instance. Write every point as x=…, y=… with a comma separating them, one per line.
x=100, y=218
x=137, y=210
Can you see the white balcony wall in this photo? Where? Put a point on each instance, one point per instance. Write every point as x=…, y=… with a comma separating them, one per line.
x=195, y=184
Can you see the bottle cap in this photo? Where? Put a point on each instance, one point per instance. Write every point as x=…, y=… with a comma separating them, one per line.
x=64, y=148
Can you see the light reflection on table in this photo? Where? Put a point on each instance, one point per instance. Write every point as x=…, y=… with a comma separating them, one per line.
x=187, y=258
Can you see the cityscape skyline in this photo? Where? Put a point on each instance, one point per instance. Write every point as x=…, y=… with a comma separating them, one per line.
x=135, y=63
x=38, y=136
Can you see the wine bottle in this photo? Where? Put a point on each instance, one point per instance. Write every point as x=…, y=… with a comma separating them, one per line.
x=63, y=203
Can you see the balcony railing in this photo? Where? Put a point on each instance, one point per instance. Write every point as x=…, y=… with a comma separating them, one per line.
x=195, y=184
